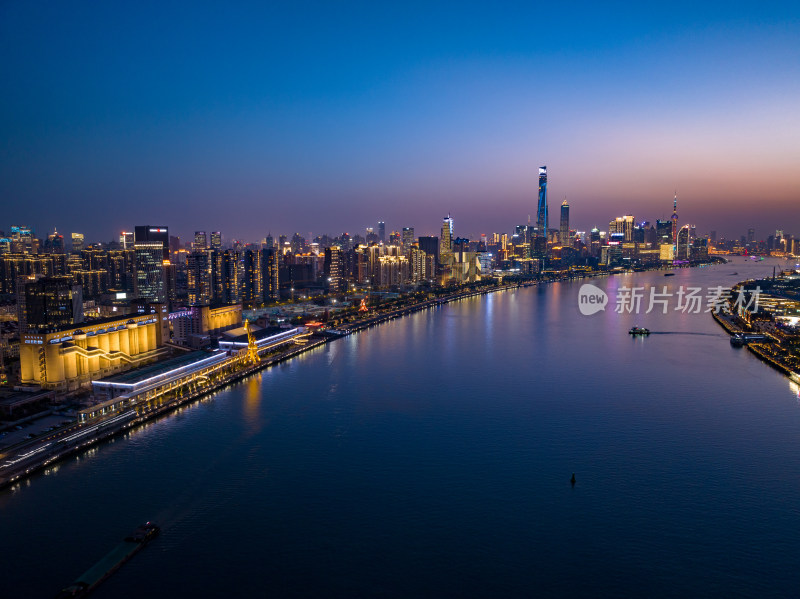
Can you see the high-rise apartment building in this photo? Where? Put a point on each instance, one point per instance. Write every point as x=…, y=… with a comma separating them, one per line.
x=199, y=285
x=333, y=268
x=270, y=290
x=251, y=278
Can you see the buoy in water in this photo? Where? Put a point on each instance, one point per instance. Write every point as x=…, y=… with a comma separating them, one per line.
x=572, y=480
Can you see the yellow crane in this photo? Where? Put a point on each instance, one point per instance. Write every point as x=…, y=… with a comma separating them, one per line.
x=252, y=347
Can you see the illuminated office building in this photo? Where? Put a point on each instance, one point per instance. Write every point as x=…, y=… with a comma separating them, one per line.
x=382, y=231
x=200, y=240
x=675, y=220
x=150, y=281
x=563, y=234
x=77, y=243
x=624, y=226
x=686, y=237
x=126, y=240
x=446, y=238
x=22, y=241
x=542, y=221
x=216, y=240
x=408, y=237
x=153, y=234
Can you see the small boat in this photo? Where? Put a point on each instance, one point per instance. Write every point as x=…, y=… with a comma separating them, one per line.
x=639, y=331
x=669, y=274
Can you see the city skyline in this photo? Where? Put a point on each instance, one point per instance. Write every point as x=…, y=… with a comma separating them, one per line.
x=299, y=123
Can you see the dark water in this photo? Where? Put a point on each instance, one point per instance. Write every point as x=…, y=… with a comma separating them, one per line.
x=431, y=457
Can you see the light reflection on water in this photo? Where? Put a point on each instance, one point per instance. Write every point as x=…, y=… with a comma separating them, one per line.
x=431, y=456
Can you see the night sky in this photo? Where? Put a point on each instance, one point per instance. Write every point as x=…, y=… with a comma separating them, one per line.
x=326, y=118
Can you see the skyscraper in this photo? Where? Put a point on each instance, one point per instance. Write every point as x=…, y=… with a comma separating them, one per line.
x=216, y=240
x=150, y=280
x=382, y=231
x=675, y=220
x=200, y=240
x=541, y=211
x=251, y=293
x=333, y=268
x=153, y=234
x=269, y=275
x=408, y=237
x=199, y=284
x=77, y=243
x=563, y=234
x=446, y=239
x=126, y=240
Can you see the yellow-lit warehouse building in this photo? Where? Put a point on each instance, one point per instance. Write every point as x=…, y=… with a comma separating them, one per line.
x=67, y=357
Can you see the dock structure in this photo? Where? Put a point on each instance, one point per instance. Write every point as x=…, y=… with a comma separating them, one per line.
x=111, y=562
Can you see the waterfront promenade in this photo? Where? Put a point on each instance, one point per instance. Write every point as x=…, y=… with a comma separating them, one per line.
x=22, y=459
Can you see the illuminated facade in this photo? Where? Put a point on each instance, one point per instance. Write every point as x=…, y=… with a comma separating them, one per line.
x=685, y=239
x=333, y=268
x=66, y=357
x=251, y=277
x=446, y=238
x=77, y=243
x=624, y=226
x=126, y=240
x=150, y=281
x=153, y=234
x=675, y=220
x=542, y=221
x=198, y=276
x=204, y=321
x=270, y=289
x=408, y=237
x=563, y=232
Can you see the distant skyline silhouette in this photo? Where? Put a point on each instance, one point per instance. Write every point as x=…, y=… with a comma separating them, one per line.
x=257, y=118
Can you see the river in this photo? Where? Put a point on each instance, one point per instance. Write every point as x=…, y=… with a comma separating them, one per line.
x=431, y=456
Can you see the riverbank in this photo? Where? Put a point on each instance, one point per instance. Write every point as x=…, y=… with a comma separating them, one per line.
x=760, y=352
x=34, y=457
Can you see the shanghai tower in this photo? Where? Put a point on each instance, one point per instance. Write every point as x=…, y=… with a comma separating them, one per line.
x=541, y=211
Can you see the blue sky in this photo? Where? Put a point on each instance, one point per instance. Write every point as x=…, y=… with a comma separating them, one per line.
x=316, y=117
